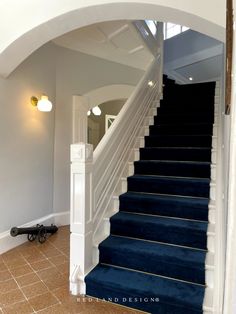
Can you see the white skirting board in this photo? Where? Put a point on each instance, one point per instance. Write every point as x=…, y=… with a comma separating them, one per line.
x=7, y=242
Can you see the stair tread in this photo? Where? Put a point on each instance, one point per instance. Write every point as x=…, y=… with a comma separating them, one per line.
x=173, y=162
x=156, y=220
x=169, y=178
x=181, y=232
x=186, y=295
x=194, y=208
x=176, y=198
x=172, y=254
x=179, y=148
x=177, y=135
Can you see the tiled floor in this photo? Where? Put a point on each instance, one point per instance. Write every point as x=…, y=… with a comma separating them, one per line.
x=34, y=279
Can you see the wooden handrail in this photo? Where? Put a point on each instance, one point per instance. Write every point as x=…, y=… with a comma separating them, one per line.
x=229, y=53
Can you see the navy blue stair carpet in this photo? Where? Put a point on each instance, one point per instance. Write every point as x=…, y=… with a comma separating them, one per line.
x=154, y=258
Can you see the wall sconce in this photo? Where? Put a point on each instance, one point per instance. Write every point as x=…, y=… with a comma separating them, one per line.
x=96, y=111
x=43, y=104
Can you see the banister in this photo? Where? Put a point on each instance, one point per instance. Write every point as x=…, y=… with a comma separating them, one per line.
x=111, y=131
x=111, y=153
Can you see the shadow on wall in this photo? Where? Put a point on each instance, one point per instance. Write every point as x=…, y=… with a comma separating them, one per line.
x=97, y=124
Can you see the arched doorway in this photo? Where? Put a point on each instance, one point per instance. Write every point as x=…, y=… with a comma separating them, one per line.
x=59, y=19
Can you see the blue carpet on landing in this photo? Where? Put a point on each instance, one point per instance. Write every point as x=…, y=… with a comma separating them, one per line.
x=154, y=258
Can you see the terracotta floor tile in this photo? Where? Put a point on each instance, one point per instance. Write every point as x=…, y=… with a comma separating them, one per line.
x=56, y=282
x=11, y=297
x=43, y=301
x=46, y=286
x=36, y=257
x=40, y=265
x=15, y=263
x=34, y=289
x=60, y=244
x=27, y=279
x=59, y=259
x=55, y=309
x=45, y=247
x=28, y=251
x=64, y=268
x=5, y=275
x=48, y=273
x=7, y=286
x=10, y=255
x=66, y=251
x=22, y=270
x=63, y=294
x=51, y=253
x=2, y=266
x=18, y=308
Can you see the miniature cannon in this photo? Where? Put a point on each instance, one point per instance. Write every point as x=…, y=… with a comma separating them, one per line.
x=39, y=231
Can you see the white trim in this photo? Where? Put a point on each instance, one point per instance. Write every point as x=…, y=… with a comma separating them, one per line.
x=106, y=93
x=7, y=242
x=107, y=120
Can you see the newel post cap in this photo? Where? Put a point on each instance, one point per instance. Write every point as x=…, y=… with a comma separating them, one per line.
x=81, y=152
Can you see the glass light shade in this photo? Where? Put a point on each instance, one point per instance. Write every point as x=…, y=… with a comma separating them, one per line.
x=89, y=113
x=96, y=111
x=44, y=104
x=150, y=83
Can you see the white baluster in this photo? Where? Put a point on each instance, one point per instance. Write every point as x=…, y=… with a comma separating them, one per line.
x=81, y=223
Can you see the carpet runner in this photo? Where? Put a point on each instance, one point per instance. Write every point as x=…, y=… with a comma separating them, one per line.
x=154, y=258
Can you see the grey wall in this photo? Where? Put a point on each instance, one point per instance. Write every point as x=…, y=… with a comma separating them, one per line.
x=26, y=141
x=34, y=167
x=187, y=43
x=77, y=74
x=110, y=108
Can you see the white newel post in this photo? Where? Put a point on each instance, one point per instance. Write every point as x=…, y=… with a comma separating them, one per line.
x=79, y=119
x=81, y=211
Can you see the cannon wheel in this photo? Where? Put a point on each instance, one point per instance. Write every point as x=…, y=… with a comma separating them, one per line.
x=42, y=235
x=31, y=237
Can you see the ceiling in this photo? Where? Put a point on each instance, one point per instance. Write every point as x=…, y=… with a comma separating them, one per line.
x=116, y=41
x=203, y=70
x=192, y=54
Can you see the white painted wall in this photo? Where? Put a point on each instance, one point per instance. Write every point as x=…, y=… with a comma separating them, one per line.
x=26, y=141
x=26, y=25
x=78, y=74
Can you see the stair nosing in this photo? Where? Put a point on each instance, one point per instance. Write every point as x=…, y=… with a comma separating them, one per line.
x=174, y=195
x=174, y=177
x=169, y=160
x=175, y=135
x=173, y=161
x=164, y=243
x=174, y=147
x=152, y=274
x=168, y=217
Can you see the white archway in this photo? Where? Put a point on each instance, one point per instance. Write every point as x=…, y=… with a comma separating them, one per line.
x=108, y=93
x=23, y=31
x=81, y=105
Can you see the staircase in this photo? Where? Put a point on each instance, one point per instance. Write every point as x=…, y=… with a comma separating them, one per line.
x=154, y=258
